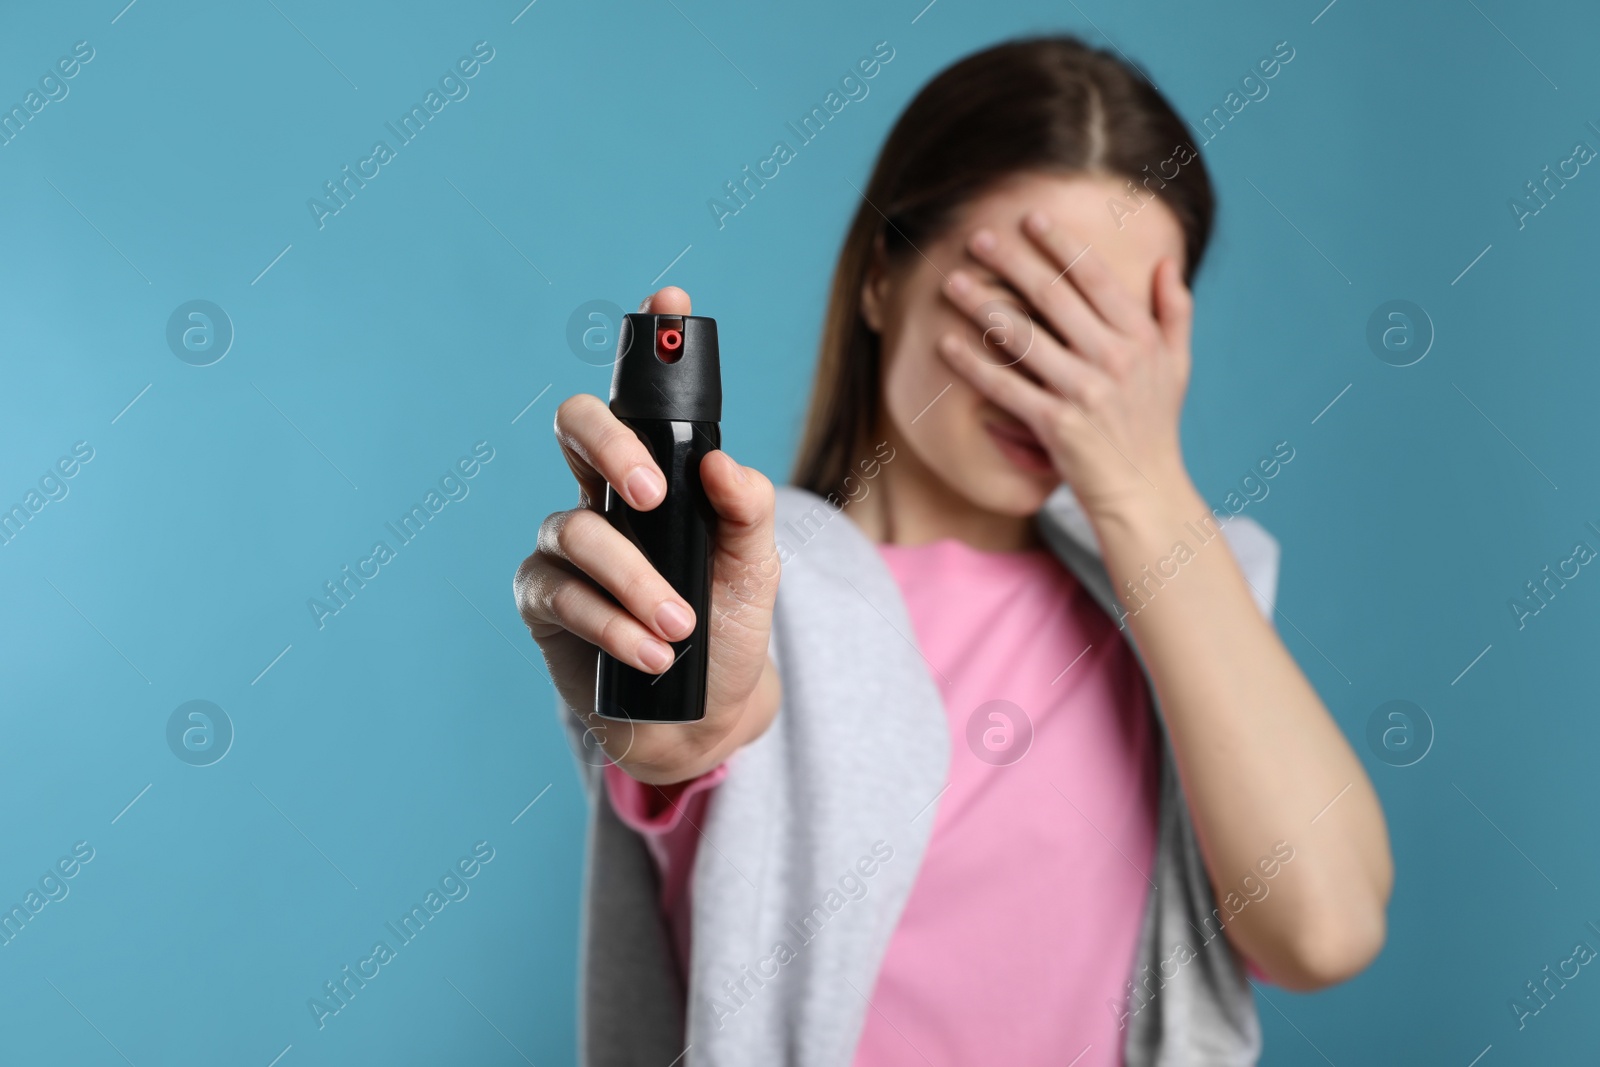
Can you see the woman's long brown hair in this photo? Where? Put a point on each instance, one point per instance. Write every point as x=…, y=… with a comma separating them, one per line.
x=1048, y=104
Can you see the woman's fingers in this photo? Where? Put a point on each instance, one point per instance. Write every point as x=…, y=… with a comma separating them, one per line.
x=587, y=540
x=554, y=597
x=1041, y=284
x=580, y=553
x=1024, y=345
x=1005, y=386
x=1003, y=331
x=1089, y=274
x=667, y=301
x=602, y=450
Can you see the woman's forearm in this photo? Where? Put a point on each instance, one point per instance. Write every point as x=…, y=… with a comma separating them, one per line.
x=1260, y=758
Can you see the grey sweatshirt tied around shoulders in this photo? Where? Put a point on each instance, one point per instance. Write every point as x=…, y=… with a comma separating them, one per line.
x=810, y=846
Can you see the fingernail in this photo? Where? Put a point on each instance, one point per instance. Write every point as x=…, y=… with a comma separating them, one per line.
x=1038, y=221
x=983, y=241
x=643, y=486
x=673, y=620
x=654, y=654
x=738, y=469
x=960, y=281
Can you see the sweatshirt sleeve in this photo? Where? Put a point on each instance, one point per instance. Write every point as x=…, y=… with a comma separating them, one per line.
x=655, y=810
x=669, y=821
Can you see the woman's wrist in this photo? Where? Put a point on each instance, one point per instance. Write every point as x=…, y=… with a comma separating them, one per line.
x=667, y=755
x=1152, y=513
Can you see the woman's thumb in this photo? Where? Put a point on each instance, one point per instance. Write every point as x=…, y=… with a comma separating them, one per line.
x=1174, y=303
x=743, y=498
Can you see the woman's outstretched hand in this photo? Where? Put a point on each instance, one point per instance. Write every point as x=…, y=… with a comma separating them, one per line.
x=559, y=592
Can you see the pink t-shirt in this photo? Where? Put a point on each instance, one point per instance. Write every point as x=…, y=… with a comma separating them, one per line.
x=1018, y=939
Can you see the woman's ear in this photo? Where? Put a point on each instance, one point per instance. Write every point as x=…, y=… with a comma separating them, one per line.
x=875, y=287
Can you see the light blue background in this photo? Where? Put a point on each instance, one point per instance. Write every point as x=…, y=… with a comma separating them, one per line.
x=416, y=723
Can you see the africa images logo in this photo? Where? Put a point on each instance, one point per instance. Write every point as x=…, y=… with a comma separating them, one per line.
x=453, y=487
x=453, y=887
x=453, y=87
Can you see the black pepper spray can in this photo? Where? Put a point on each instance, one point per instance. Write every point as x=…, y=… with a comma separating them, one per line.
x=667, y=388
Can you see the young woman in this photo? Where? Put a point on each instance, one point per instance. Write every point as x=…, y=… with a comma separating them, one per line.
x=1012, y=767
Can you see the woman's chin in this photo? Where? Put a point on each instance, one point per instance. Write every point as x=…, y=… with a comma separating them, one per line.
x=1005, y=490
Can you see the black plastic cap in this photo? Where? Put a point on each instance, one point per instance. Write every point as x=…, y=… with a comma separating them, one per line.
x=646, y=386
